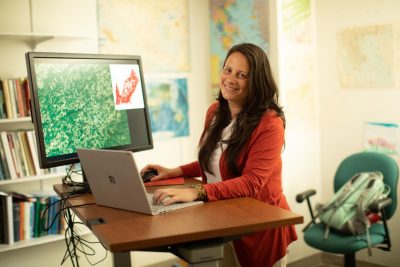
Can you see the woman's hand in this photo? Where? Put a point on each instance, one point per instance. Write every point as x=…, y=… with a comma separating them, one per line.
x=162, y=172
x=167, y=196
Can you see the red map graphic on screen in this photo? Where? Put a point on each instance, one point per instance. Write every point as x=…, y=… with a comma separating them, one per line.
x=124, y=96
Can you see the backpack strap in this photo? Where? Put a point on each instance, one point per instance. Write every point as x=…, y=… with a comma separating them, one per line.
x=361, y=210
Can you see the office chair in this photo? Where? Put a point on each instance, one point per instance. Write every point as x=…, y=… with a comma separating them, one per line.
x=348, y=245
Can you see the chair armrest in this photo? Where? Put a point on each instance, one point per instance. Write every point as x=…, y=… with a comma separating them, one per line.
x=380, y=204
x=304, y=195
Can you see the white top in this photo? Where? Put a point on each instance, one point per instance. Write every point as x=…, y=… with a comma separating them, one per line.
x=216, y=156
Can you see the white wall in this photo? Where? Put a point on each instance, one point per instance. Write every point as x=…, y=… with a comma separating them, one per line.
x=183, y=150
x=343, y=112
x=75, y=17
x=311, y=154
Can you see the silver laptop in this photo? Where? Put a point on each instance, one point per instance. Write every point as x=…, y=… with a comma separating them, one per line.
x=115, y=182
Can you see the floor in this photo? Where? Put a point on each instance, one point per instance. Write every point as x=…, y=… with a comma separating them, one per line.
x=326, y=260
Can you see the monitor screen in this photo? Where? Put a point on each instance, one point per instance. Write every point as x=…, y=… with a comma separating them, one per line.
x=86, y=101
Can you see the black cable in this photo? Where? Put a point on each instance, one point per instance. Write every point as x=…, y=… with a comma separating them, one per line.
x=79, y=187
x=74, y=242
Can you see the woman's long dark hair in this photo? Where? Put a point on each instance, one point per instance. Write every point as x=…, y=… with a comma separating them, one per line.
x=263, y=94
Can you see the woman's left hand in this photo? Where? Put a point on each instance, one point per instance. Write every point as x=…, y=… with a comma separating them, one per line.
x=167, y=196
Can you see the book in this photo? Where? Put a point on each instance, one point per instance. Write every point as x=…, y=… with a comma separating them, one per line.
x=23, y=225
x=20, y=156
x=2, y=177
x=16, y=220
x=26, y=93
x=27, y=152
x=32, y=219
x=54, y=215
x=21, y=228
x=3, y=162
x=32, y=146
x=13, y=103
x=20, y=99
x=14, y=156
x=27, y=220
x=41, y=217
x=7, y=99
x=172, y=181
x=36, y=223
x=3, y=215
x=8, y=155
x=7, y=218
x=3, y=113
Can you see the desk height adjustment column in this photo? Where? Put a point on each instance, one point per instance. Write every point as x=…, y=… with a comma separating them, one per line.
x=121, y=259
x=206, y=253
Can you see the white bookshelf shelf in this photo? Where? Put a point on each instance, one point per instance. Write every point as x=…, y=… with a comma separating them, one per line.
x=33, y=178
x=14, y=124
x=35, y=38
x=83, y=230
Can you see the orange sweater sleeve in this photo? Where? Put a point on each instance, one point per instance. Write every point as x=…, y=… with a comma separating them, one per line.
x=260, y=163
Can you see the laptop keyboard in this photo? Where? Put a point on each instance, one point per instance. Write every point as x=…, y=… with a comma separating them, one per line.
x=162, y=208
x=167, y=208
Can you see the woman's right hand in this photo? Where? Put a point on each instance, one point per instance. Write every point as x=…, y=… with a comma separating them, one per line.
x=162, y=172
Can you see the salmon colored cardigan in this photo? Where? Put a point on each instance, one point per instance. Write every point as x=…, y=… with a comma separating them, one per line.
x=261, y=168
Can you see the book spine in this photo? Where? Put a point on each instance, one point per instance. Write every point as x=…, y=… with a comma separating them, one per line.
x=14, y=155
x=37, y=223
x=32, y=219
x=8, y=155
x=3, y=218
x=7, y=99
x=16, y=220
x=12, y=98
x=3, y=161
x=32, y=146
x=27, y=220
x=25, y=87
x=2, y=175
x=10, y=224
x=21, y=154
x=20, y=99
x=27, y=152
x=3, y=113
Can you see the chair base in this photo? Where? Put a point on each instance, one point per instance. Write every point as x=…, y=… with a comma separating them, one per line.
x=350, y=260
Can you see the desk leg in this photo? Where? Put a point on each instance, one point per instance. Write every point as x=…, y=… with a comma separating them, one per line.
x=121, y=259
x=205, y=264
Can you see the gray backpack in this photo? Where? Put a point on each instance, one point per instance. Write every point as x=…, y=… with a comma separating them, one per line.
x=346, y=211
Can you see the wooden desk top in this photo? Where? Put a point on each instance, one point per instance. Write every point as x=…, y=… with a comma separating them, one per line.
x=126, y=230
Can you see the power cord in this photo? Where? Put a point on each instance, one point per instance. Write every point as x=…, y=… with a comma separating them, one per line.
x=77, y=187
x=74, y=242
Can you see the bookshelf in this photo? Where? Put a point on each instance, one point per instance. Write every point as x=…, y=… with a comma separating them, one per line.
x=16, y=185
x=40, y=25
x=48, y=26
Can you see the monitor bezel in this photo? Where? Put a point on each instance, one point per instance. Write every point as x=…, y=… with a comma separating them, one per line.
x=48, y=162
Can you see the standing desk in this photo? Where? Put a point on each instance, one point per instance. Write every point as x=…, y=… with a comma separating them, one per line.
x=198, y=228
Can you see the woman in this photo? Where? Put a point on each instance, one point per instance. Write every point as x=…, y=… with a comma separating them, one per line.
x=240, y=152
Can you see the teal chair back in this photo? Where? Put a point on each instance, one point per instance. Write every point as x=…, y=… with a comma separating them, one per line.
x=370, y=161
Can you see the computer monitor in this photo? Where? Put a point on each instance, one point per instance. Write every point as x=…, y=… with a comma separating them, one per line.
x=86, y=101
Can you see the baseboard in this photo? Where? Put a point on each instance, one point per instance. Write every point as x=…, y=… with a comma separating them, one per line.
x=329, y=259
x=307, y=261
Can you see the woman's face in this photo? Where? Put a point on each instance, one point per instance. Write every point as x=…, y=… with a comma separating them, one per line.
x=234, y=79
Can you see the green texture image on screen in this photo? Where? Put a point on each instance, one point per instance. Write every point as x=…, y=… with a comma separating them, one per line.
x=77, y=108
